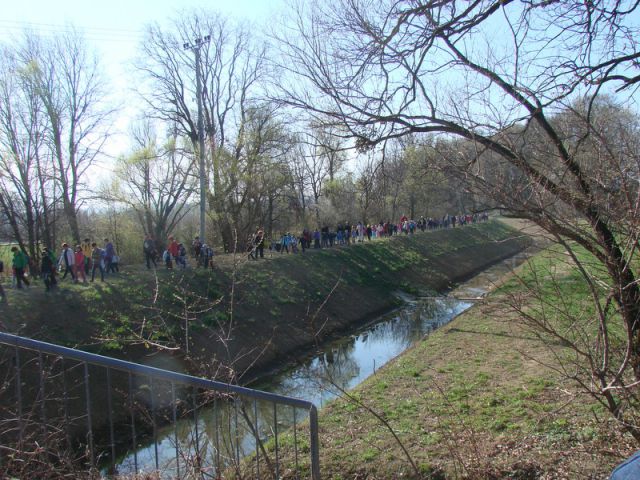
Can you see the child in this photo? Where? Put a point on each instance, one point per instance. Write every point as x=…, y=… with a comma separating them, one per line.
x=181, y=259
x=166, y=257
x=47, y=268
x=115, y=260
x=78, y=265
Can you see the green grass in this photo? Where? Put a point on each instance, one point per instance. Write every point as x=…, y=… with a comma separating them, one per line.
x=477, y=399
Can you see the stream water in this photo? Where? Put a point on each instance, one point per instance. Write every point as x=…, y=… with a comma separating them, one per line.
x=341, y=364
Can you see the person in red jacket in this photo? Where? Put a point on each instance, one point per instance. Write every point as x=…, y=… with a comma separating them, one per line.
x=173, y=248
x=78, y=258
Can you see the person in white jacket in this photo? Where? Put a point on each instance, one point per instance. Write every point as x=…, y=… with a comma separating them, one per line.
x=66, y=261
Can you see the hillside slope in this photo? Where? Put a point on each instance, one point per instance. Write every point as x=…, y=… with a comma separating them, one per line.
x=245, y=316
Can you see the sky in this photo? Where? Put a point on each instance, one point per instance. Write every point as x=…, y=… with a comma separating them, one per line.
x=113, y=28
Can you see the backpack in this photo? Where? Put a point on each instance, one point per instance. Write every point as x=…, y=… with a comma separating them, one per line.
x=182, y=252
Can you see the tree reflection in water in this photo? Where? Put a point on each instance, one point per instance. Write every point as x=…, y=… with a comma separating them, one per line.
x=223, y=434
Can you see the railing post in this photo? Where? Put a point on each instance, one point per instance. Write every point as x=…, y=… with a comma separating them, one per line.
x=315, y=443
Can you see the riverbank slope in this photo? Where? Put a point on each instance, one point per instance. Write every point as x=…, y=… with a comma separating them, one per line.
x=484, y=397
x=247, y=316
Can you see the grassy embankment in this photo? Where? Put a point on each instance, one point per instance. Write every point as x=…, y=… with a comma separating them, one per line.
x=479, y=399
x=251, y=314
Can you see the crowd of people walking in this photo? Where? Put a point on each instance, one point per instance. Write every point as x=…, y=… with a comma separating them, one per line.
x=347, y=233
x=83, y=261
x=79, y=263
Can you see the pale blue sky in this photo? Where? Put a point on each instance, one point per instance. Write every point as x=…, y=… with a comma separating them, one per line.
x=113, y=26
x=113, y=29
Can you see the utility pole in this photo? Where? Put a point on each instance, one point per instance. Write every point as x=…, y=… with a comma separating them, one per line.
x=198, y=43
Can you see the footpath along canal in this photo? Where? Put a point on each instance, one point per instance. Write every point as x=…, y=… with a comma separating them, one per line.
x=330, y=369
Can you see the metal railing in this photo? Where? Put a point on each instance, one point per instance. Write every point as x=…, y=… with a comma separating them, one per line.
x=114, y=417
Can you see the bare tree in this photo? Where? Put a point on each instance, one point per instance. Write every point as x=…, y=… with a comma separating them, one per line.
x=231, y=65
x=26, y=179
x=156, y=181
x=70, y=90
x=499, y=76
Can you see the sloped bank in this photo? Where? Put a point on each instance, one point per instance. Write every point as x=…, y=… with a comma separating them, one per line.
x=245, y=320
x=258, y=314
x=286, y=305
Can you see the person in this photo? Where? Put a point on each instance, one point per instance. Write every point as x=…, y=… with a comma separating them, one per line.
x=115, y=261
x=627, y=470
x=78, y=265
x=47, y=269
x=86, y=250
x=109, y=252
x=197, y=249
x=53, y=282
x=97, y=260
x=207, y=256
x=66, y=260
x=258, y=241
x=181, y=259
x=173, y=248
x=166, y=258
x=19, y=264
x=302, y=240
x=149, y=249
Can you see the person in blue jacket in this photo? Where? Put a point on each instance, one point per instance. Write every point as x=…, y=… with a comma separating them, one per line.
x=628, y=470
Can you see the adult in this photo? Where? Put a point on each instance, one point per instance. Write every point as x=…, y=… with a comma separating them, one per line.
x=207, y=256
x=109, y=252
x=149, y=249
x=197, y=249
x=67, y=260
x=47, y=269
x=19, y=264
x=173, y=248
x=97, y=260
x=258, y=241
x=86, y=250
x=627, y=470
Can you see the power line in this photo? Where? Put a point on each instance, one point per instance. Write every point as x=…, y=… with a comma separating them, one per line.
x=66, y=27
x=9, y=29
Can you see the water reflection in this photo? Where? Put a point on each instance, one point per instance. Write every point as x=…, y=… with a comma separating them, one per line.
x=348, y=361
x=222, y=434
x=227, y=431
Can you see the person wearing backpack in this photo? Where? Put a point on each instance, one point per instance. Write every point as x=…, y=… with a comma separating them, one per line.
x=97, y=261
x=47, y=269
x=67, y=259
x=149, y=250
x=181, y=259
x=19, y=264
x=197, y=249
